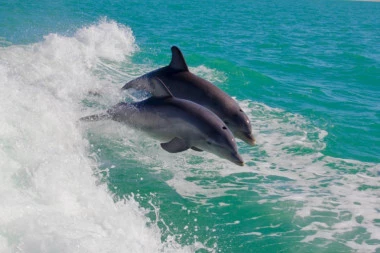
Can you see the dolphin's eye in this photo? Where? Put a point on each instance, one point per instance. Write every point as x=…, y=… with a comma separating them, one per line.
x=224, y=127
x=241, y=110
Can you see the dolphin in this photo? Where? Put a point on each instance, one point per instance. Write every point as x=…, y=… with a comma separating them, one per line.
x=184, y=84
x=180, y=124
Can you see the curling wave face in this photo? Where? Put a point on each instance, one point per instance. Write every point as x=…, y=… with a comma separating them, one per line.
x=51, y=201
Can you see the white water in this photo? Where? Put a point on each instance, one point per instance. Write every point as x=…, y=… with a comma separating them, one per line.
x=50, y=199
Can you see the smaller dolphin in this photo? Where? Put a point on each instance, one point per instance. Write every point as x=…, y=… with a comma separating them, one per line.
x=184, y=84
x=179, y=123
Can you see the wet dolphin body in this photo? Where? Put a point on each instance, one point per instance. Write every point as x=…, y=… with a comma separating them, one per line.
x=183, y=84
x=179, y=123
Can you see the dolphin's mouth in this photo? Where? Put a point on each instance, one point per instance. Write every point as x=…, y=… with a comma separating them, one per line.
x=247, y=137
x=238, y=160
x=251, y=139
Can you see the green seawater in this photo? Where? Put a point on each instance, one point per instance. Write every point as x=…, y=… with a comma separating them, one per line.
x=307, y=73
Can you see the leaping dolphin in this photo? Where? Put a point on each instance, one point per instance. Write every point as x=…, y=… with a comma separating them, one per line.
x=183, y=84
x=179, y=123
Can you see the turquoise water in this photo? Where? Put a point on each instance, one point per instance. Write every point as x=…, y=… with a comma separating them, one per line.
x=306, y=73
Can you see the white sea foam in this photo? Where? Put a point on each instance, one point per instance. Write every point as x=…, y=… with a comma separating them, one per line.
x=50, y=201
x=209, y=74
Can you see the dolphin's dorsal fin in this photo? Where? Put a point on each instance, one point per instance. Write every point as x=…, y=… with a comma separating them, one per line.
x=159, y=89
x=178, y=61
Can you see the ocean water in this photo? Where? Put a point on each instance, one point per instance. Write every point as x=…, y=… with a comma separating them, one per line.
x=307, y=73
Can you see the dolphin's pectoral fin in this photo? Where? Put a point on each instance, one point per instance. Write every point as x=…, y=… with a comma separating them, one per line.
x=178, y=61
x=140, y=83
x=159, y=89
x=176, y=145
x=196, y=149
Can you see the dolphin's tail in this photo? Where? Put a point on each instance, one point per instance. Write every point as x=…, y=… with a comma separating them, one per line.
x=96, y=117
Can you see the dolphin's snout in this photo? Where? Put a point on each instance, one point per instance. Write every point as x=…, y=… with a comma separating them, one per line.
x=240, y=163
x=250, y=139
x=237, y=159
x=246, y=137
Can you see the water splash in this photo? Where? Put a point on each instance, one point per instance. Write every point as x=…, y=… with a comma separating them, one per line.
x=51, y=200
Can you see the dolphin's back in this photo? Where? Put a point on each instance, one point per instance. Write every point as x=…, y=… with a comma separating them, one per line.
x=188, y=86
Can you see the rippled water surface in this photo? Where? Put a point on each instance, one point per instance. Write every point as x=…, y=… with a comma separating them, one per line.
x=306, y=73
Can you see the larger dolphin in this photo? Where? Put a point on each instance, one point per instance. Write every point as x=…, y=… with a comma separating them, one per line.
x=183, y=84
x=179, y=123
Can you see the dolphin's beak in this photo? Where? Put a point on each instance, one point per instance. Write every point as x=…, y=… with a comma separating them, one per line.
x=238, y=159
x=248, y=138
x=240, y=163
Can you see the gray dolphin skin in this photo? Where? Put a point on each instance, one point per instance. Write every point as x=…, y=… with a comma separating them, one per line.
x=180, y=124
x=183, y=84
